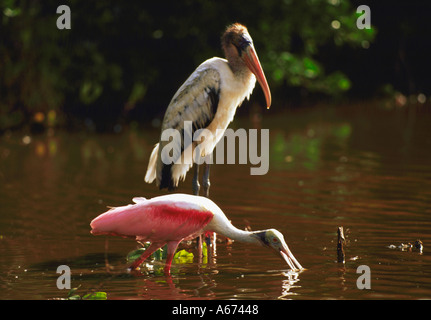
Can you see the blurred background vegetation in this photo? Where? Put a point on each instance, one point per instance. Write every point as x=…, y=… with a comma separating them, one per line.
x=121, y=62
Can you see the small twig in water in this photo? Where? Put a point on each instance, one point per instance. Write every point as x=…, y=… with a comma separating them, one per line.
x=340, y=245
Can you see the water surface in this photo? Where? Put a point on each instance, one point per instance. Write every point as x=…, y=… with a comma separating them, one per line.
x=364, y=168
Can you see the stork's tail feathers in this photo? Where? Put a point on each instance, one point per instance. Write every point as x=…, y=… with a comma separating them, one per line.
x=150, y=176
x=169, y=174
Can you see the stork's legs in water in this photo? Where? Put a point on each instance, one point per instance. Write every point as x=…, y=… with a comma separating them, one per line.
x=195, y=183
x=206, y=180
x=196, y=187
x=206, y=185
x=206, y=188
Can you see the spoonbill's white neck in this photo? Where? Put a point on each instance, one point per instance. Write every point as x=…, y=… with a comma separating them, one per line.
x=221, y=225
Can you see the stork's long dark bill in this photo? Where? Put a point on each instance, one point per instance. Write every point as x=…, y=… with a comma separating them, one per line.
x=290, y=259
x=252, y=62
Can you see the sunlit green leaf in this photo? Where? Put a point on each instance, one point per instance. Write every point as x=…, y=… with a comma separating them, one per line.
x=204, y=249
x=183, y=256
x=72, y=291
x=95, y=296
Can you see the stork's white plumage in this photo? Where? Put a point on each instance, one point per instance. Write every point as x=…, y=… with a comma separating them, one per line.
x=209, y=99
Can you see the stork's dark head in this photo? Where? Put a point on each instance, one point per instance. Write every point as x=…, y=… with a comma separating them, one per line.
x=239, y=50
x=236, y=35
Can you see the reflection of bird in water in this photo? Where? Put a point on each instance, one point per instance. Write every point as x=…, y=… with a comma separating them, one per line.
x=169, y=290
x=172, y=218
x=288, y=284
x=208, y=99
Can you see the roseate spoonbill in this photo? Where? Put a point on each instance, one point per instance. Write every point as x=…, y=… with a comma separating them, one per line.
x=208, y=99
x=170, y=219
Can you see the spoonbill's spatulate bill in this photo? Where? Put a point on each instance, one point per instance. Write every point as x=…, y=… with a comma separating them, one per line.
x=208, y=99
x=170, y=219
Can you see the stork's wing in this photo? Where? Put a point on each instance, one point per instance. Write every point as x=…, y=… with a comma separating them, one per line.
x=195, y=101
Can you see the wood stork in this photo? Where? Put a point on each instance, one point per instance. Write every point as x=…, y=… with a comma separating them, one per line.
x=208, y=98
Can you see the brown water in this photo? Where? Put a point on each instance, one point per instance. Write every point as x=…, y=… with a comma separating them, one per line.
x=365, y=169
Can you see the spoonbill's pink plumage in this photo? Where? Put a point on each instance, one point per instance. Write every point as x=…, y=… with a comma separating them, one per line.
x=170, y=219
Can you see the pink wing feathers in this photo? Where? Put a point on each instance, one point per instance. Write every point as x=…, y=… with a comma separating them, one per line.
x=157, y=219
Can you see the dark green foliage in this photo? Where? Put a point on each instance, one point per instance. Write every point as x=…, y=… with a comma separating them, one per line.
x=125, y=60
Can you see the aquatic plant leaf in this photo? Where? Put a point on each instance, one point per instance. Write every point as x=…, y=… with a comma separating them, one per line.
x=164, y=252
x=183, y=256
x=160, y=254
x=204, y=249
x=71, y=294
x=133, y=255
x=100, y=295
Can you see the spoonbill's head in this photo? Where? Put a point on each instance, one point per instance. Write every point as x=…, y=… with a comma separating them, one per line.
x=274, y=239
x=239, y=49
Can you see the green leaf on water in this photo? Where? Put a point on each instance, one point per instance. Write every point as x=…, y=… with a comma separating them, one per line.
x=133, y=255
x=183, y=256
x=182, y=253
x=158, y=254
x=204, y=249
x=100, y=295
x=71, y=294
x=164, y=252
